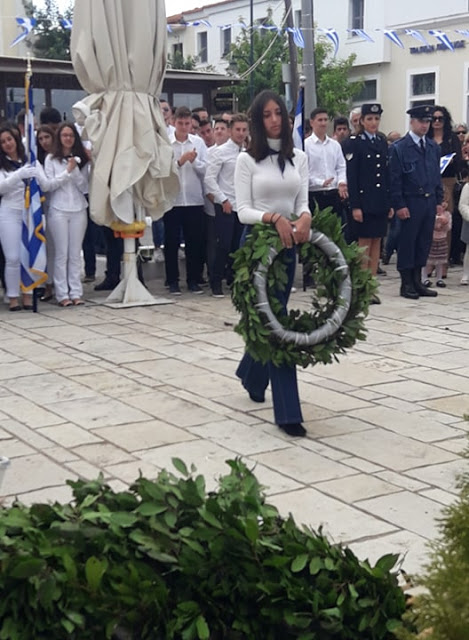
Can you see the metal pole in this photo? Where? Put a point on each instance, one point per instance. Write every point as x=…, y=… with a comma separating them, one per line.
x=251, y=53
x=309, y=68
x=293, y=56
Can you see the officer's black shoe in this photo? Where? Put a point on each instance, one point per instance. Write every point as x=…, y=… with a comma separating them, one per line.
x=407, y=286
x=420, y=288
x=106, y=285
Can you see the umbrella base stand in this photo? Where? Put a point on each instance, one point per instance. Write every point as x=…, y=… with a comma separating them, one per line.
x=130, y=292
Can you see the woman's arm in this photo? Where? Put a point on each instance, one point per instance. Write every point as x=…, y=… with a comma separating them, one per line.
x=247, y=213
x=53, y=176
x=464, y=202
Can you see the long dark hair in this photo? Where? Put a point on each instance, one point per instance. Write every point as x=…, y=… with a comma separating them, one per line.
x=77, y=150
x=258, y=146
x=41, y=153
x=447, y=123
x=5, y=162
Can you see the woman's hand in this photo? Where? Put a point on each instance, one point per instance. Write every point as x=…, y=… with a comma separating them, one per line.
x=357, y=215
x=285, y=230
x=71, y=164
x=301, y=228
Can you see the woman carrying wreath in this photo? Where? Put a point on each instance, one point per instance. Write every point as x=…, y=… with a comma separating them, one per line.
x=271, y=185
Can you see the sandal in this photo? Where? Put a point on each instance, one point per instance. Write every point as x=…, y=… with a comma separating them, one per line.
x=65, y=303
x=77, y=302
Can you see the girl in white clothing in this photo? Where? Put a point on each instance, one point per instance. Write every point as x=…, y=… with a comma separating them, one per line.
x=45, y=137
x=13, y=174
x=67, y=211
x=464, y=211
x=271, y=184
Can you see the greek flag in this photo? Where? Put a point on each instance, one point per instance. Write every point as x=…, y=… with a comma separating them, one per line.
x=33, y=242
x=334, y=38
x=445, y=160
x=298, y=138
x=417, y=35
x=392, y=35
x=443, y=38
x=27, y=24
x=66, y=23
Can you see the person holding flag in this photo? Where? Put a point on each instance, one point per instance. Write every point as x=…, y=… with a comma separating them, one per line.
x=14, y=174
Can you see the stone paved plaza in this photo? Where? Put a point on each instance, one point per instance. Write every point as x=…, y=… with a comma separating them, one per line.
x=95, y=389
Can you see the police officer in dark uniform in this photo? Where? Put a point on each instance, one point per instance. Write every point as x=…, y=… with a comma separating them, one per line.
x=416, y=195
x=368, y=186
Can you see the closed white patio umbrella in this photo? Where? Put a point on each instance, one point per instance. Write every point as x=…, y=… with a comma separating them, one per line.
x=118, y=50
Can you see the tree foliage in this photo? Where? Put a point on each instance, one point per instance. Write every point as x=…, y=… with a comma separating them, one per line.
x=50, y=39
x=177, y=61
x=334, y=90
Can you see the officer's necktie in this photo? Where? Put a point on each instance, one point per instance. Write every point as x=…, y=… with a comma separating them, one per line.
x=422, y=144
x=373, y=140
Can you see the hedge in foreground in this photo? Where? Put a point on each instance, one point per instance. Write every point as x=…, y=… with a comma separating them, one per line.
x=169, y=560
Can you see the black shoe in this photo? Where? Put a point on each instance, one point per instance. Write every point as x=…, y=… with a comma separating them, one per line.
x=217, y=291
x=427, y=283
x=28, y=307
x=441, y=284
x=255, y=398
x=195, y=288
x=106, y=285
x=375, y=299
x=174, y=289
x=15, y=308
x=381, y=272
x=294, y=429
x=386, y=259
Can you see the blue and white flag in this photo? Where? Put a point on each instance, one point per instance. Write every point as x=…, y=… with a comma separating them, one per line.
x=443, y=38
x=33, y=242
x=362, y=34
x=298, y=128
x=27, y=24
x=66, y=23
x=334, y=38
x=298, y=37
x=417, y=35
x=392, y=35
x=445, y=160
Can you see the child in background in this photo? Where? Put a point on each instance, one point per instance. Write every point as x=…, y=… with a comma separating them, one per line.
x=438, y=256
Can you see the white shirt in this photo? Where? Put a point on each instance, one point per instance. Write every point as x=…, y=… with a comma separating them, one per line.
x=325, y=160
x=191, y=174
x=12, y=190
x=262, y=188
x=67, y=189
x=219, y=177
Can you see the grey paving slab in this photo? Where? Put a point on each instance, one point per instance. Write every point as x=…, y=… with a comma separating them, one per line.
x=120, y=392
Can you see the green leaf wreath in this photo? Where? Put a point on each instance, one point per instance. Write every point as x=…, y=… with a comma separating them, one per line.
x=260, y=342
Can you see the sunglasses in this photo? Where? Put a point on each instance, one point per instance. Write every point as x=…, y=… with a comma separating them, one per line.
x=461, y=133
x=438, y=118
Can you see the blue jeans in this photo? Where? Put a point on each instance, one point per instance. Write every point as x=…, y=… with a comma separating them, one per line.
x=255, y=376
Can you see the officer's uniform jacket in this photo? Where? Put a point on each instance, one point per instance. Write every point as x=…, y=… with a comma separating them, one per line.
x=368, y=174
x=415, y=175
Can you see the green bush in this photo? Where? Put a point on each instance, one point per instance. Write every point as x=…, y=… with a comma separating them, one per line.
x=168, y=560
x=443, y=612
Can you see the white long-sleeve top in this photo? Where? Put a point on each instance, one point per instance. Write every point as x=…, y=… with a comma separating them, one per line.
x=464, y=203
x=191, y=174
x=219, y=177
x=325, y=160
x=11, y=189
x=66, y=189
x=262, y=188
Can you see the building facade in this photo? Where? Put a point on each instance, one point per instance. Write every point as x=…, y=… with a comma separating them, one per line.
x=397, y=77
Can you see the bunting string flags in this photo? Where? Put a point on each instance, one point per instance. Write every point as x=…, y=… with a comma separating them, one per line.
x=27, y=24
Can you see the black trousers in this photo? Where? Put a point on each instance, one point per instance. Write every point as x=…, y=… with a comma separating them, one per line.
x=228, y=231
x=329, y=198
x=192, y=222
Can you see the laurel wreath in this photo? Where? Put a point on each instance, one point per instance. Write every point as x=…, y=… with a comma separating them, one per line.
x=255, y=326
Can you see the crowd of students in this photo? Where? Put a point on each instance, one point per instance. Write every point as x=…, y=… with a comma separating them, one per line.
x=348, y=171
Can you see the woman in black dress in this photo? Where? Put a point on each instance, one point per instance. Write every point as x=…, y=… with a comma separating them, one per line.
x=441, y=130
x=368, y=186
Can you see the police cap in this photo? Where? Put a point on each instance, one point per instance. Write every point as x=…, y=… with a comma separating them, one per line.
x=371, y=107
x=421, y=112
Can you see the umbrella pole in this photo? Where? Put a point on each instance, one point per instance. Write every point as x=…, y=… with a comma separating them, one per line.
x=130, y=292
